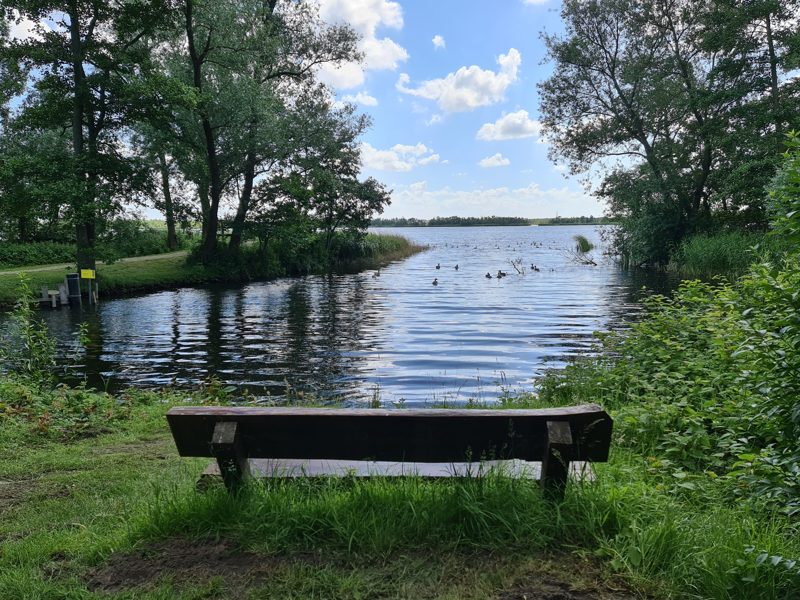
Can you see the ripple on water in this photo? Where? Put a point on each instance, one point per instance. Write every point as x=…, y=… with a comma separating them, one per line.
x=356, y=336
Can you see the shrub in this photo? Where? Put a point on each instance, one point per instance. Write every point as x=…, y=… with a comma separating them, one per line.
x=35, y=253
x=27, y=347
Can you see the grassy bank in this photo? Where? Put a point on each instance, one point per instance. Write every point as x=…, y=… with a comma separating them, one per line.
x=167, y=271
x=95, y=502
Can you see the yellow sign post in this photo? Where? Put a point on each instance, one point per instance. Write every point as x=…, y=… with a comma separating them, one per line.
x=89, y=274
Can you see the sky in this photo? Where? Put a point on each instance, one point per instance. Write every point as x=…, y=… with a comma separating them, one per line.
x=451, y=87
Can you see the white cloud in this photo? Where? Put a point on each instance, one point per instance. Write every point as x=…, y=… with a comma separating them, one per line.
x=438, y=42
x=23, y=29
x=361, y=98
x=469, y=87
x=496, y=160
x=400, y=157
x=366, y=17
x=419, y=201
x=513, y=126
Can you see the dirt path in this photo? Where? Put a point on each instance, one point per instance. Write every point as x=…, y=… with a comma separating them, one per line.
x=59, y=266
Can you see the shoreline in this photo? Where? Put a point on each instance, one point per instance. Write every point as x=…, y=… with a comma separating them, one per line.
x=161, y=272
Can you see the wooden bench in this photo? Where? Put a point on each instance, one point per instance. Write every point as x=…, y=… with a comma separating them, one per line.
x=380, y=442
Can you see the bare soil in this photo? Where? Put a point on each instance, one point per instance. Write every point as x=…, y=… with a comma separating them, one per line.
x=195, y=562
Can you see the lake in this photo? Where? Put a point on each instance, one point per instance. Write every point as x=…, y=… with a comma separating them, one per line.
x=390, y=336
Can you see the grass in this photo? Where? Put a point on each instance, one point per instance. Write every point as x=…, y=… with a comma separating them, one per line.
x=727, y=253
x=118, y=508
x=165, y=271
x=70, y=509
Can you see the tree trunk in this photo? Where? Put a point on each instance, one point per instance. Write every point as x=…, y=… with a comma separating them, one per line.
x=244, y=204
x=82, y=205
x=169, y=211
x=211, y=219
x=773, y=74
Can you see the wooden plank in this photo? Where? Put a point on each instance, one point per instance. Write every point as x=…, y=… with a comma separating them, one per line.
x=297, y=468
x=556, y=461
x=226, y=446
x=425, y=435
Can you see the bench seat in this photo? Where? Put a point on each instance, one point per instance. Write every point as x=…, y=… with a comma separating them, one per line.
x=547, y=444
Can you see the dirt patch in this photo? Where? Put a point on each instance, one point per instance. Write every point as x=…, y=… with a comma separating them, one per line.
x=13, y=492
x=18, y=491
x=565, y=578
x=180, y=560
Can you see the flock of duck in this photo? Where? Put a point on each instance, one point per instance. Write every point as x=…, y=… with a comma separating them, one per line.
x=500, y=273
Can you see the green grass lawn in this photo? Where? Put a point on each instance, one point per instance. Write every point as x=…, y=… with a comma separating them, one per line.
x=95, y=502
x=152, y=272
x=118, y=515
x=165, y=271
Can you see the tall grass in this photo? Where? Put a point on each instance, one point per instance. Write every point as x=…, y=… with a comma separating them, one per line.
x=373, y=249
x=727, y=253
x=582, y=244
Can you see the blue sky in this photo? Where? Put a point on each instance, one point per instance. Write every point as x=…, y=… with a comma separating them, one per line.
x=455, y=120
x=451, y=89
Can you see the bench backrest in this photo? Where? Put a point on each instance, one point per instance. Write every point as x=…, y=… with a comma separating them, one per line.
x=429, y=435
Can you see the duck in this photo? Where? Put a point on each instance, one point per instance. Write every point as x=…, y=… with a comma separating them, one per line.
x=501, y=274
x=438, y=266
x=456, y=267
x=435, y=281
x=534, y=268
x=488, y=275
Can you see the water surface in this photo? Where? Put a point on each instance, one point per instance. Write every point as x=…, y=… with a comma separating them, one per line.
x=392, y=336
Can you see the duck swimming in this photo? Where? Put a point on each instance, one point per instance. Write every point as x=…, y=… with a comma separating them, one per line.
x=456, y=267
x=438, y=266
x=501, y=274
x=435, y=281
x=488, y=276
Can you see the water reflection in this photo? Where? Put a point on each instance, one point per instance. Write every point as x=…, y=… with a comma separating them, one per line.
x=356, y=336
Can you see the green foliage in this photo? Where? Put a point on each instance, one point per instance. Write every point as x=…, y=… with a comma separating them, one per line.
x=784, y=197
x=727, y=253
x=582, y=244
x=27, y=347
x=35, y=253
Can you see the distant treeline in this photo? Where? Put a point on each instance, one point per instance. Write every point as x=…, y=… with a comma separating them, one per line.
x=486, y=221
x=590, y=220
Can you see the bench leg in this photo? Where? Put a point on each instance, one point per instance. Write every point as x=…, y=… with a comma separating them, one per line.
x=555, y=466
x=227, y=448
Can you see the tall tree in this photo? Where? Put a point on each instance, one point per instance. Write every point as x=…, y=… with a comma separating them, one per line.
x=641, y=93
x=82, y=60
x=240, y=53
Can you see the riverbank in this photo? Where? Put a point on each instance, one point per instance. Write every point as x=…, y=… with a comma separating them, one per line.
x=96, y=502
x=169, y=271
x=116, y=513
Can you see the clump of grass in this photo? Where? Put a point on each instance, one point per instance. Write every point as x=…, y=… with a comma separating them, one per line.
x=726, y=253
x=582, y=244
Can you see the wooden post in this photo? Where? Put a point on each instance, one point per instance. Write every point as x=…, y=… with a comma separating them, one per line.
x=227, y=448
x=555, y=465
x=62, y=293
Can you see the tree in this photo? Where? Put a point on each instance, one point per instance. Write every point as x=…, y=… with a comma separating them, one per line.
x=83, y=72
x=242, y=55
x=643, y=92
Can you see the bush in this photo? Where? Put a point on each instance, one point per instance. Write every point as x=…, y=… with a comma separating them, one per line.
x=35, y=253
x=27, y=347
x=727, y=253
x=125, y=238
